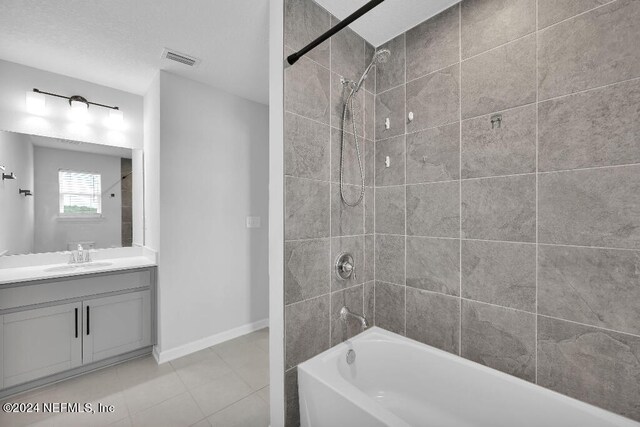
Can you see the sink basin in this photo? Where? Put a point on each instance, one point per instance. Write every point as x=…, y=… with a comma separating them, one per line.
x=61, y=268
x=77, y=267
x=95, y=264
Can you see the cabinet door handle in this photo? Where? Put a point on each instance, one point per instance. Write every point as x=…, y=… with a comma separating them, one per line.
x=88, y=320
x=76, y=322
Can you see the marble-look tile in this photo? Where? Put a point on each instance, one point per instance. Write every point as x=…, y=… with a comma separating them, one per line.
x=391, y=73
x=434, y=154
x=346, y=220
x=339, y=95
x=434, y=44
x=584, y=53
x=307, y=90
x=389, y=307
x=594, y=128
x=434, y=319
x=306, y=330
x=594, y=365
x=369, y=210
x=505, y=150
x=434, y=264
x=307, y=207
x=200, y=368
x=306, y=148
x=351, y=298
x=433, y=209
x=390, y=258
x=552, y=11
x=220, y=393
x=355, y=246
x=394, y=149
x=306, y=269
x=433, y=99
x=390, y=104
x=593, y=207
x=369, y=163
x=248, y=412
x=369, y=302
x=304, y=21
x=390, y=210
x=502, y=208
x=500, y=338
x=181, y=410
x=599, y=287
x=369, y=114
x=351, y=173
x=500, y=273
x=500, y=79
x=347, y=53
x=292, y=405
x=490, y=23
x=369, y=257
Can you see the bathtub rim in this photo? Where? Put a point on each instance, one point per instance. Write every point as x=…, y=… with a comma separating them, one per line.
x=316, y=367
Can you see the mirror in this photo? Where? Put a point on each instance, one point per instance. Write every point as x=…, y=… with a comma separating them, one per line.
x=56, y=194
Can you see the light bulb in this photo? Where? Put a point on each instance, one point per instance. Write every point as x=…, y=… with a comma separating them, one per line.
x=115, y=119
x=79, y=110
x=35, y=102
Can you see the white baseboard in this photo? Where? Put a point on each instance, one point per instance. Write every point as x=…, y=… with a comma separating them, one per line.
x=186, y=349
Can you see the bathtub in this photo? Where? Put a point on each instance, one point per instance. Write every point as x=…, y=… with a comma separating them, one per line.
x=395, y=381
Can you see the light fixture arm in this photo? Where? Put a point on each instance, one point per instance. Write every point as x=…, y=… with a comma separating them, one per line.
x=77, y=98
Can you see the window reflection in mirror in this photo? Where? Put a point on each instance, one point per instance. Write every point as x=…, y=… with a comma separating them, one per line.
x=81, y=193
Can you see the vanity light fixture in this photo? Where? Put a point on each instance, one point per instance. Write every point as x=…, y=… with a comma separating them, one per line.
x=79, y=104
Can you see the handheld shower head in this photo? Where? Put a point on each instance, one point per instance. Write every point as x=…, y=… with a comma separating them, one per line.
x=381, y=56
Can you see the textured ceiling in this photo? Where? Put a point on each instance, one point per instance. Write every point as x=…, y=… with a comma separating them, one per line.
x=389, y=19
x=118, y=43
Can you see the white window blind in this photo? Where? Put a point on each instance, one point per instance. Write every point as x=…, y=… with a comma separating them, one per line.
x=80, y=193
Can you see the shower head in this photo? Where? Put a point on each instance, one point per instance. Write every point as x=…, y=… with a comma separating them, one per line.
x=381, y=56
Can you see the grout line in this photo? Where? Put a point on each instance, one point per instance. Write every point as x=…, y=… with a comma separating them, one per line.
x=535, y=365
x=460, y=172
x=588, y=326
x=571, y=17
x=579, y=92
x=495, y=47
x=330, y=187
x=405, y=182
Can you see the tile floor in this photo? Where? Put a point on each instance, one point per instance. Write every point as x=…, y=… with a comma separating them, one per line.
x=224, y=385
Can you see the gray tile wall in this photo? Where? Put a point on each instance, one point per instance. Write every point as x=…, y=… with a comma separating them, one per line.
x=318, y=226
x=517, y=246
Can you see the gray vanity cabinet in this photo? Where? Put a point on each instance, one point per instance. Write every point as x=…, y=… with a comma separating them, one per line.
x=115, y=325
x=40, y=342
x=54, y=329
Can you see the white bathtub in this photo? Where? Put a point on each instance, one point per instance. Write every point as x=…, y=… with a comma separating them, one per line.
x=396, y=381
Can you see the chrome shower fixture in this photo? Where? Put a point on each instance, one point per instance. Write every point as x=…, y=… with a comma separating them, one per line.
x=379, y=57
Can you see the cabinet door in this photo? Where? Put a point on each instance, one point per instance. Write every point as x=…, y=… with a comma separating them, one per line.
x=41, y=342
x=116, y=325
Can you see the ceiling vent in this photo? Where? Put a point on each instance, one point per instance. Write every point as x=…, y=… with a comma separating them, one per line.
x=182, y=58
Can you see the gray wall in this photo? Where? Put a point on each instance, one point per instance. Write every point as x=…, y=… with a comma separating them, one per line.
x=318, y=226
x=473, y=207
x=515, y=247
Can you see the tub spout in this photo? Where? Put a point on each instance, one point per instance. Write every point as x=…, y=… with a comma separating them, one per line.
x=346, y=313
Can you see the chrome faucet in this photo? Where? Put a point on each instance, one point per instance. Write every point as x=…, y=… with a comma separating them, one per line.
x=80, y=256
x=345, y=313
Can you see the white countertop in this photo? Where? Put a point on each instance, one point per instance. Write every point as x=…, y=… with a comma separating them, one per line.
x=25, y=273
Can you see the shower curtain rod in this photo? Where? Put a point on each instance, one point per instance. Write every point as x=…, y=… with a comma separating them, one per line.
x=293, y=58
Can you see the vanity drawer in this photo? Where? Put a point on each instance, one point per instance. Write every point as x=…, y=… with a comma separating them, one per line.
x=80, y=287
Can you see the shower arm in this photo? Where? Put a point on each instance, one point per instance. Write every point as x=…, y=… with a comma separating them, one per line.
x=293, y=58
